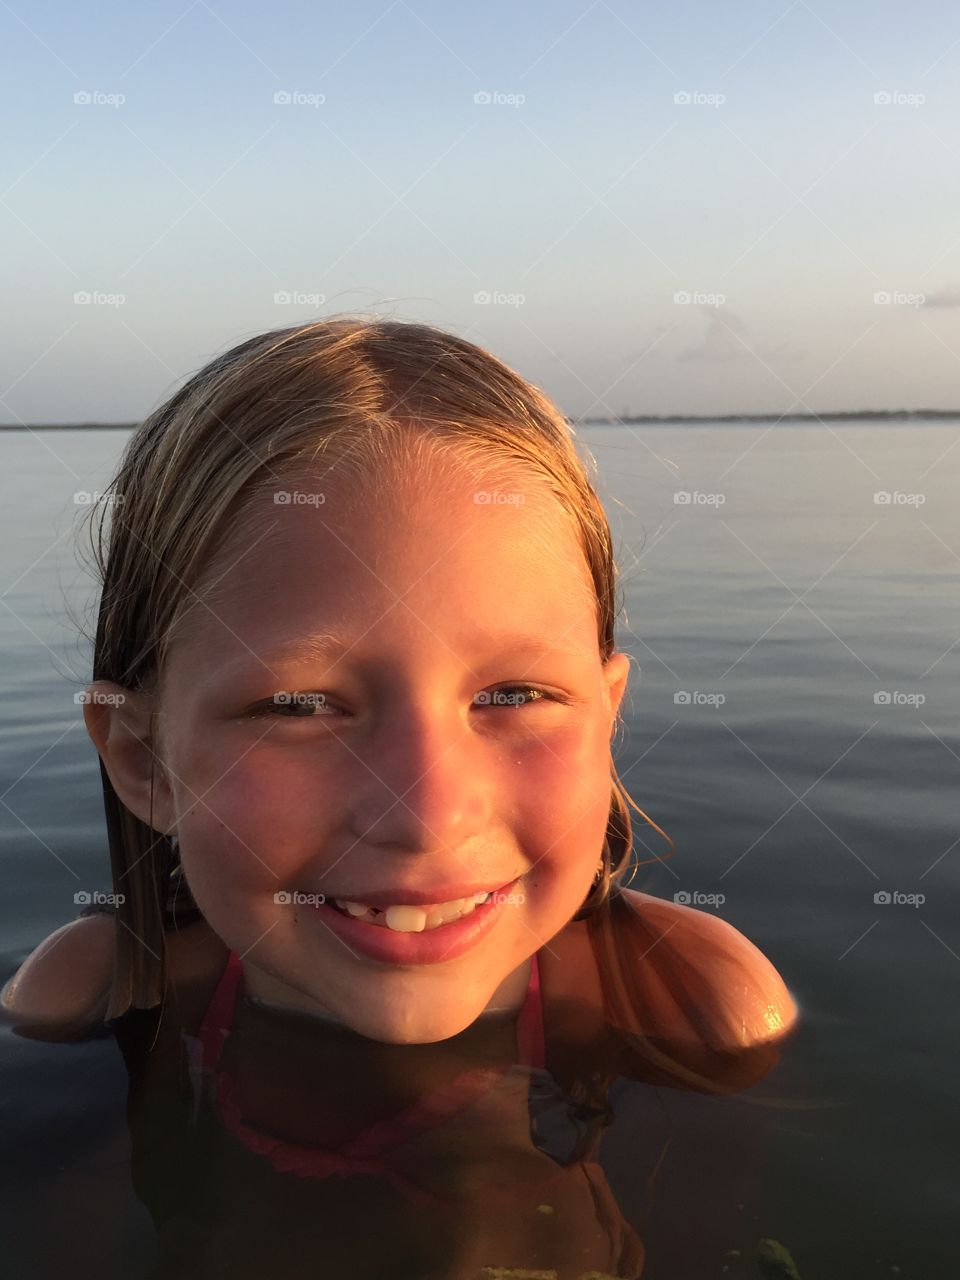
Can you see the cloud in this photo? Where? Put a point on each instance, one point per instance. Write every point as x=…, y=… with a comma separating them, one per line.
x=721, y=340
x=945, y=298
x=649, y=348
x=726, y=339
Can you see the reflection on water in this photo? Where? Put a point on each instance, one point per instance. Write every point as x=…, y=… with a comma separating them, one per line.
x=267, y=1142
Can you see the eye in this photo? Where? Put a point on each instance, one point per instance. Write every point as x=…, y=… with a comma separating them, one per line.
x=514, y=695
x=295, y=704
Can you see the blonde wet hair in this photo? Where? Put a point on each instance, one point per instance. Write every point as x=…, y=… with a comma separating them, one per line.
x=337, y=389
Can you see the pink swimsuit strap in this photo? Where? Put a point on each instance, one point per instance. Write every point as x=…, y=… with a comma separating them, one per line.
x=368, y=1152
x=220, y=1012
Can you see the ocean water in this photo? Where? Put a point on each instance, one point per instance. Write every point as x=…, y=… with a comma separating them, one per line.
x=791, y=723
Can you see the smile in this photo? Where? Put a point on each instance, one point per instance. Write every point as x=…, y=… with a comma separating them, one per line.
x=412, y=919
x=415, y=935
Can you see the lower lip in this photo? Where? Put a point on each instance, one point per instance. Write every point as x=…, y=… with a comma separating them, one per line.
x=431, y=946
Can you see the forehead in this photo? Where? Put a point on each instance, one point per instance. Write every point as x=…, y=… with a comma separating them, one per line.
x=436, y=555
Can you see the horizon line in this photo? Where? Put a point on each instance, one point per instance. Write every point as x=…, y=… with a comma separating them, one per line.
x=609, y=420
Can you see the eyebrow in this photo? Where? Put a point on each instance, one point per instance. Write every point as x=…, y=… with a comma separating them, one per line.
x=324, y=646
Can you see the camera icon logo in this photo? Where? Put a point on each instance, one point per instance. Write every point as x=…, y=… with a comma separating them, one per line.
x=882, y=898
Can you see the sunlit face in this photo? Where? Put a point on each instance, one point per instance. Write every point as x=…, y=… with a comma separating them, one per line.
x=400, y=777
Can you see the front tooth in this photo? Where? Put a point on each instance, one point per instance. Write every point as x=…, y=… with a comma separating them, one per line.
x=450, y=910
x=352, y=908
x=406, y=919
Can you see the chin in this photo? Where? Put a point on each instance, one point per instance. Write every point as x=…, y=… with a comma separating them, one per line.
x=410, y=1026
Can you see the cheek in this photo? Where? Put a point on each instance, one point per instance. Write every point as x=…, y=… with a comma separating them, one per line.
x=246, y=817
x=566, y=806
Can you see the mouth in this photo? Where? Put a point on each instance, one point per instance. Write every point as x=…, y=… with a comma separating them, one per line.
x=422, y=934
x=413, y=919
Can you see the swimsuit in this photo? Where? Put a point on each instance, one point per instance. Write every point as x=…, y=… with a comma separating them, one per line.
x=365, y=1152
x=497, y=1167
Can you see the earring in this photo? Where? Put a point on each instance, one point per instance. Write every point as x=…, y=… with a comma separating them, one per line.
x=599, y=876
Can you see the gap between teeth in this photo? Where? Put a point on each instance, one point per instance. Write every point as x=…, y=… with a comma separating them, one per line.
x=409, y=919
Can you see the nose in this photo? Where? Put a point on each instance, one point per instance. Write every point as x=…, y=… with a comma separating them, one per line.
x=423, y=782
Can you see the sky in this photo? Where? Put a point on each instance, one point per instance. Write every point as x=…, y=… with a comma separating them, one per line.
x=670, y=208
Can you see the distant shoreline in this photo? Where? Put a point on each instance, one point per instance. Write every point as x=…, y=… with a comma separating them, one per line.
x=862, y=415
x=838, y=415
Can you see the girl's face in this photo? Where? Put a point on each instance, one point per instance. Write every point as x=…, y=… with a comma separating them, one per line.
x=402, y=779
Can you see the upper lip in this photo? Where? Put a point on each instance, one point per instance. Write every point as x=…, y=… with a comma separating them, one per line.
x=416, y=897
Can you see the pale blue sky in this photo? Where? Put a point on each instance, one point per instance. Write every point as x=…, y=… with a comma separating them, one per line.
x=584, y=199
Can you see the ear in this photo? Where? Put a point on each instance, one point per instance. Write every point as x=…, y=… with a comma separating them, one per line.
x=121, y=723
x=616, y=671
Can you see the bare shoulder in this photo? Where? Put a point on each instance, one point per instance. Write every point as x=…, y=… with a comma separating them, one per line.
x=62, y=989
x=63, y=986
x=709, y=973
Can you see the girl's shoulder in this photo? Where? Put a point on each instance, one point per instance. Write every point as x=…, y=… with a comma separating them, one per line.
x=61, y=991
x=707, y=978
x=687, y=998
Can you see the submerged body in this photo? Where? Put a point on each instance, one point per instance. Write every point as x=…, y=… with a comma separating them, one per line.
x=303, y=1138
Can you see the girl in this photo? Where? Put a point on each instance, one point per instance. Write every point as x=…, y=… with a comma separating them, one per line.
x=354, y=692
